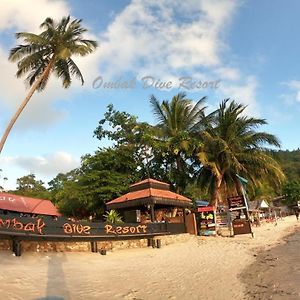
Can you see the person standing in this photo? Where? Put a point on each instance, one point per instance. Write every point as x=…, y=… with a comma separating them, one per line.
x=297, y=214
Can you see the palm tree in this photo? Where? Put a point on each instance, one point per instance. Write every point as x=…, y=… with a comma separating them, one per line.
x=46, y=53
x=178, y=123
x=233, y=146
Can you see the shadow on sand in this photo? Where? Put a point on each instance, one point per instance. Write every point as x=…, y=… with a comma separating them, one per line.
x=56, y=284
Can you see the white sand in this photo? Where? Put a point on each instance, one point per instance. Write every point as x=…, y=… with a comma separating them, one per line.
x=202, y=268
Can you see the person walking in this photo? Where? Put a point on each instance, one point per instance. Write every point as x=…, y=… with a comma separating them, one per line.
x=297, y=214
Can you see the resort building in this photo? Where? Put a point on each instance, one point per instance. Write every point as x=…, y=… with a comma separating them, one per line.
x=151, y=200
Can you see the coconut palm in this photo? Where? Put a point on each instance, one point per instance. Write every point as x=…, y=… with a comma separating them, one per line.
x=178, y=122
x=46, y=53
x=233, y=146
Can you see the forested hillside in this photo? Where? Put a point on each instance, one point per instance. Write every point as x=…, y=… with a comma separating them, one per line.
x=289, y=162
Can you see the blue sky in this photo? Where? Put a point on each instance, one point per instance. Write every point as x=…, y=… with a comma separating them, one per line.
x=251, y=48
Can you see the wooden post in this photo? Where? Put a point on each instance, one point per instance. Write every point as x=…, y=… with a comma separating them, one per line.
x=230, y=223
x=153, y=243
x=152, y=213
x=16, y=245
x=183, y=210
x=94, y=247
x=158, y=243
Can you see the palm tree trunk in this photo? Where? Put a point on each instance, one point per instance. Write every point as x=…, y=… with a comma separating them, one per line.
x=217, y=192
x=24, y=103
x=179, y=174
x=238, y=186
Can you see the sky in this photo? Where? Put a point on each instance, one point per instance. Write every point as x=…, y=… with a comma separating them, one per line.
x=244, y=50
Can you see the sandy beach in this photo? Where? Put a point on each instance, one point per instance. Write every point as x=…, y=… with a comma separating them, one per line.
x=202, y=268
x=275, y=274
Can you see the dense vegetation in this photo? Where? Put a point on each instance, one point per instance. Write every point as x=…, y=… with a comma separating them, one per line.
x=199, y=154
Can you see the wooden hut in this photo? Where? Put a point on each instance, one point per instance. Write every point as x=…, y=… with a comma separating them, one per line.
x=152, y=201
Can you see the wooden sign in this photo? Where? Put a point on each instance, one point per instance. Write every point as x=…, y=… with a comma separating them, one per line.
x=236, y=202
x=47, y=227
x=206, y=220
x=241, y=226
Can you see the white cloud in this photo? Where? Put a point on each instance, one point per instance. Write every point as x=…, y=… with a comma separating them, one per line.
x=228, y=73
x=49, y=165
x=293, y=95
x=165, y=37
x=44, y=167
x=18, y=15
x=244, y=92
x=293, y=84
x=168, y=39
x=28, y=15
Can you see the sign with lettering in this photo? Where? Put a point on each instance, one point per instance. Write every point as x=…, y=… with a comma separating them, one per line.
x=15, y=225
x=206, y=218
x=241, y=226
x=236, y=202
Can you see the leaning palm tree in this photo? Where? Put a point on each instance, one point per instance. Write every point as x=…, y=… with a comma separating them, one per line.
x=178, y=122
x=233, y=146
x=46, y=53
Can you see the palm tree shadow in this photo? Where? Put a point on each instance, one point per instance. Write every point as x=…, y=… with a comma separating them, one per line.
x=56, y=284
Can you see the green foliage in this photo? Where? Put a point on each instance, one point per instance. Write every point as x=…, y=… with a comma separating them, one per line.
x=53, y=47
x=179, y=121
x=195, y=192
x=291, y=190
x=289, y=162
x=112, y=216
x=102, y=177
x=233, y=146
x=29, y=186
x=198, y=155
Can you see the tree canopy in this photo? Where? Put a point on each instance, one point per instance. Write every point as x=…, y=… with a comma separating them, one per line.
x=198, y=153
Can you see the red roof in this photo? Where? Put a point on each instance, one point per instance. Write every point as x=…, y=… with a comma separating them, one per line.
x=150, y=192
x=27, y=205
x=149, y=180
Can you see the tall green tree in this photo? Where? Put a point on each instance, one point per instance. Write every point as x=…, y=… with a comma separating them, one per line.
x=46, y=53
x=126, y=132
x=291, y=190
x=29, y=186
x=233, y=146
x=101, y=177
x=179, y=122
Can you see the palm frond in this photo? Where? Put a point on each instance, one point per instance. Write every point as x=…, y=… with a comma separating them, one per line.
x=62, y=70
x=74, y=70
